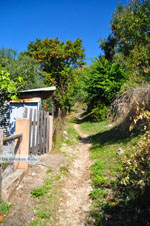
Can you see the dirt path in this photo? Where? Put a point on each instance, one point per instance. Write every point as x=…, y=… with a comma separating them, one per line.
x=74, y=206
x=74, y=209
x=23, y=206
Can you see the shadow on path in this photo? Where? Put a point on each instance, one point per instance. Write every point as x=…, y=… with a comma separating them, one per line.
x=126, y=207
x=117, y=134
x=84, y=140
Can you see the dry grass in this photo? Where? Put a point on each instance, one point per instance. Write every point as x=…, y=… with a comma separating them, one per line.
x=126, y=103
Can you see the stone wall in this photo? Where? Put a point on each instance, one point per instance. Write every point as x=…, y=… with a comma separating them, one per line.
x=4, y=117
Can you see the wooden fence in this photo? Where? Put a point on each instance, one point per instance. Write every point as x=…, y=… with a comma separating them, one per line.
x=39, y=131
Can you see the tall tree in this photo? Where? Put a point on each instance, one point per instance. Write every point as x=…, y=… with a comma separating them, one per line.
x=58, y=60
x=21, y=66
x=109, y=47
x=8, y=87
x=131, y=31
x=104, y=82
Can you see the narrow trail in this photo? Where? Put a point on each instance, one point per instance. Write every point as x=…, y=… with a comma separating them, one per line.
x=74, y=206
x=74, y=209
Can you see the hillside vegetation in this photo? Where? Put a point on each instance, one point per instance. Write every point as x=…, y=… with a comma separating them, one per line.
x=114, y=87
x=117, y=88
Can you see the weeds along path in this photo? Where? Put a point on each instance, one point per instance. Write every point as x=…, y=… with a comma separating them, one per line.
x=75, y=207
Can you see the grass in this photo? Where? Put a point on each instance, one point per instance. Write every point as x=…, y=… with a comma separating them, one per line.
x=71, y=137
x=4, y=207
x=93, y=127
x=49, y=170
x=41, y=191
x=64, y=169
x=4, y=165
x=108, y=206
x=48, y=195
x=65, y=134
x=4, y=210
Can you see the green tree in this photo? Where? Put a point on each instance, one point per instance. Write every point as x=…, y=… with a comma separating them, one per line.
x=80, y=91
x=104, y=82
x=21, y=66
x=58, y=60
x=130, y=38
x=109, y=47
x=8, y=87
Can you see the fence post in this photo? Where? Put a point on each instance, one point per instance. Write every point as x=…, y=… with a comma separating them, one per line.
x=50, y=132
x=59, y=113
x=1, y=152
x=22, y=127
x=52, y=109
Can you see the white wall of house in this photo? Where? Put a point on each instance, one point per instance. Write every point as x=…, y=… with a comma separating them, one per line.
x=17, y=111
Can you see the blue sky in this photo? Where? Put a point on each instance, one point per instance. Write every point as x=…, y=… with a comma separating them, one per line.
x=24, y=20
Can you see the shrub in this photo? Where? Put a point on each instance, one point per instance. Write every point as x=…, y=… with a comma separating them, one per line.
x=99, y=112
x=104, y=82
x=127, y=102
x=136, y=173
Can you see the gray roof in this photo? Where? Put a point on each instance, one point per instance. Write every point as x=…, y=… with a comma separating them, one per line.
x=46, y=89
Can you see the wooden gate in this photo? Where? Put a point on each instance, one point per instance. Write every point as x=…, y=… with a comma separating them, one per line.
x=39, y=131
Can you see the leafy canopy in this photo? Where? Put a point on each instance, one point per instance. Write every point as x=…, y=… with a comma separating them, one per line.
x=7, y=85
x=58, y=60
x=21, y=66
x=130, y=38
x=104, y=82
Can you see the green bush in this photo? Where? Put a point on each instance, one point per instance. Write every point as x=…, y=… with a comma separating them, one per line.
x=99, y=113
x=4, y=207
x=104, y=82
x=136, y=173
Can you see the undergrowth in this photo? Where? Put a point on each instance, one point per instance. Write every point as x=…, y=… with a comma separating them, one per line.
x=65, y=134
x=4, y=210
x=49, y=194
x=4, y=207
x=95, y=128
x=113, y=204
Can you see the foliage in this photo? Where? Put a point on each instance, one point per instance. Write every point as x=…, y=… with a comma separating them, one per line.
x=115, y=203
x=109, y=47
x=47, y=104
x=104, y=170
x=21, y=66
x=37, y=192
x=7, y=85
x=72, y=135
x=99, y=112
x=58, y=60
x=64, y=170
x=133, y=107
x=136, y=167
x=93, y=127
x=130, y=38
x=4, y=207
x=30, y=71
x=104, y=82
x=45, y=211
x=80, y=91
